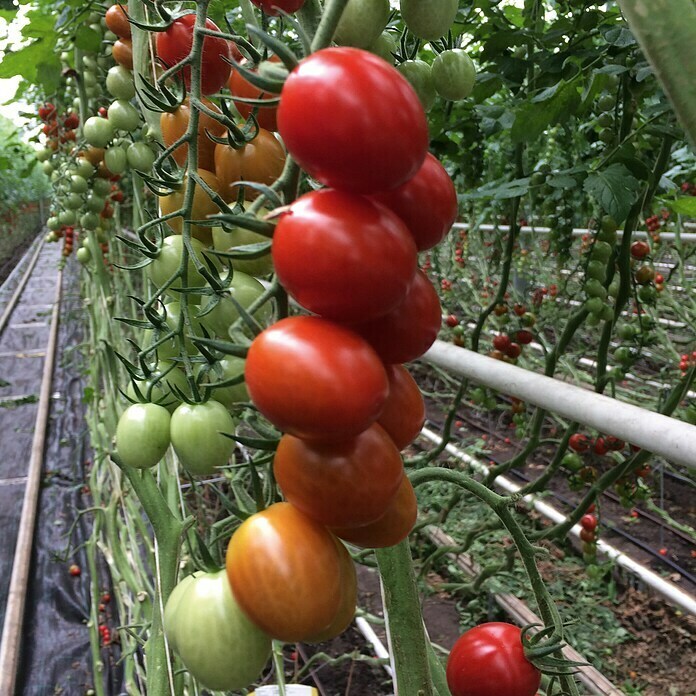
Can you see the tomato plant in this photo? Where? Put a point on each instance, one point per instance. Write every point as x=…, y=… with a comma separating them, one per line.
x=213, y=637
x=489, y=660
x=323, y=121
x=315, y=379
x=286, y=573
x=326, y=480
x=343, y=257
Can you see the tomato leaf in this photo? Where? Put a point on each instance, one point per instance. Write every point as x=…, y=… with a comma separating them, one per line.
x=615, y=189
x=88, y=40
x=684, y=206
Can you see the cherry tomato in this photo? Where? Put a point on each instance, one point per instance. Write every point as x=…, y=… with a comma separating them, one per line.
x=315, y=379
x=600, y=446
x=427, y=203
x=587, y=535
x=243, y=291
x=240, y=87
x=174, y=44
x=326, y=480
x=404, y=412
x=589, y=522
x=639, y=250
x=142, y=435
x=261, y=160
x=410, y=329
x=168, y=261
x=362, y=23
x=453, y=74
x=174, y=124
x=333, y=124
x=233, y=651
x=579, y=442
x=98, y=132
x=501, y=342
x=343, y=256
x=239, y=237
x=429, y=21
x=117, y=21
x=122, y=53
x=286, y=573
x=271, y=7
x=394, y=526
x=489, y=660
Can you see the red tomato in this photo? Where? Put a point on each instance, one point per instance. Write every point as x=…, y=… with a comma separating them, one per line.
x=579, y=442
x=408, y=331
x=524, y=337
x=315, y=379
x=174, y=44
x=271, y=7
x=600, y=446
x=427, y=203
x=117, y=21
x=502, y=342
x=404, y=413
x=394, y=526
x=639, y=250
x=327, y=480
x=240, y=87
x=513, y=350
x=352, y=121
x=589, y=522
x=452, y=321
x=489, y=660
x=343, y=256
x=587, y=535
x=286, y=573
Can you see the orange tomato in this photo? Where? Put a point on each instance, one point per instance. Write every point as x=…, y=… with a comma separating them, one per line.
x=404, y=412
x=117, y=21
x=122, y=53
x=265, y=115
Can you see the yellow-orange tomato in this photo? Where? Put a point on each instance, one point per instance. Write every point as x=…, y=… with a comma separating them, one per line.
x=240, y=87
x=261, y=160
x=286, y=573
x=122, y=53
x=117, y=22
x=202, y=207
x=394, y=526
x=94, y=155
x=174, y=125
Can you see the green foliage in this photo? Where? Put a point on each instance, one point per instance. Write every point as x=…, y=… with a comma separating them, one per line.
x=615, y=189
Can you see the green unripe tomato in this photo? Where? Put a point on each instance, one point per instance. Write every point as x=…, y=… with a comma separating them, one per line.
x=90, y=221
x=142, y=435
x=110, y=37
x=239, y=237
x=90, y=63
x=614, y=287
x=453, y=74
x=362, y=22
x=123, y=115
x=647, y=294
x=84, y=256
x=597, y=270
x=102, y=187
x=140, y=156
x=384, y=47
x=229, y=367
x=167, y=262
x=84, y=168
x=593, y=319
x=418, y=73
x=623, y=355
x=95, y=203
x=196, y=434
x=119, y=83
x=594, y=306
x=593, y=288
x=607, y=313
x=646, y=322
x=78, y=184
x=98, y=131
x=160, y=387
x=53, y=223
x=47, y=168
x=429, y=20
x=626, y=332
x=213, y=637
x=601, y=251
x=244, y=290
x=115, y=160
x=606, y=102
x=73, y=201
x=44, y=154
x=67, y=217
x=572, y=461
x=88, y=77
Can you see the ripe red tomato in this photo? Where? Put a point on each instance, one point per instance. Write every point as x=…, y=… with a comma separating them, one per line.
x=524, y=337
x=589, y=522
x=240, y=87
x=47, y=112
x=342, y=256
x=72, y=120
x=513, y=351
x=489, y=660
x=174, y=44
x=315, y=379
x=587, y=535
x=408, y=331
x=327, y=480
x=639, y=250
x=352, y=121
x=394, y=526
x=286, y=573
x=579, y=442
x=427, y=203
x=271, y=7
x=502, y=342
x=404, y=412
x=600, y=446
x=452, y=321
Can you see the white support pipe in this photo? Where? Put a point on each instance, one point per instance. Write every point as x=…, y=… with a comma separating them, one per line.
x=670, y=438
x=678, y=597
x=577, y=232
x=373, y=639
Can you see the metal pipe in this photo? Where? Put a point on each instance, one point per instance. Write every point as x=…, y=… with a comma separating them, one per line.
x=666, y=589
x=670, y=438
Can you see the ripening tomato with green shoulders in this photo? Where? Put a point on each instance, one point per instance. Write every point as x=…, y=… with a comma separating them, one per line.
x=286, y=573
x=489, y=660
x=215, y=640
x=352, y=121
x=315, y=379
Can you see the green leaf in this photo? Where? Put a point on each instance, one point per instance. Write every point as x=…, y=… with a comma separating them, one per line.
x=88, y=40
x=554, y=105
x=48, y=75
x=615, y=189
x=684, y=206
